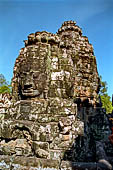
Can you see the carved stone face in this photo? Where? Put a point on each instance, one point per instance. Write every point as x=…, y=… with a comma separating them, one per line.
x=33, y=76
x=33, y=84
x=100, y=127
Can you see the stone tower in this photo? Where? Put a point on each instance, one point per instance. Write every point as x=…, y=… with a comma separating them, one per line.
x=40, y=123
x=56, y=65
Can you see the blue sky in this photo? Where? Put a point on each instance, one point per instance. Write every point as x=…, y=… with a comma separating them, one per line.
x=18, y=18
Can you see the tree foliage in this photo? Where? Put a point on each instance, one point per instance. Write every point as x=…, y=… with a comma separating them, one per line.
x=5, y=87
x=105, y=98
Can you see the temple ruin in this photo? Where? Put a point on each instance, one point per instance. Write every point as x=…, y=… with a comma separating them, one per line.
x=54, y=120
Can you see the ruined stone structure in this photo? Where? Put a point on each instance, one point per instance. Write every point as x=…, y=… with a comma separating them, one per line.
x=55, y=94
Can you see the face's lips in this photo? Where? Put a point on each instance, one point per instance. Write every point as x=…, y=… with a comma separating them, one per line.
x=31, y=92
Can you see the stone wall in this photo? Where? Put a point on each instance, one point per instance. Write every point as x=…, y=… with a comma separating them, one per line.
x=40, y=130
x=55, y=91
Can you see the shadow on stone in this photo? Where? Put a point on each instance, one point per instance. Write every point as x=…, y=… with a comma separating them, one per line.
x=92, y=150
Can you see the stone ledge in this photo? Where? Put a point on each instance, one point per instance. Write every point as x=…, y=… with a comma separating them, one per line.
x=33, y=163
x=27, y=163
x=65, y=165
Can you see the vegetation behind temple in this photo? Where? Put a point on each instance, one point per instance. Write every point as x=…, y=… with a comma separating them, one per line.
x=105, y=98
x=5, y=86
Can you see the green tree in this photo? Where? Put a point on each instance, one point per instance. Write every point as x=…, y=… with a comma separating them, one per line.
x=105, y=98
x=5, y=87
